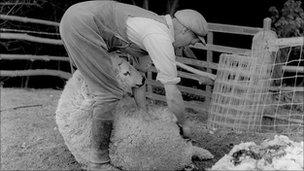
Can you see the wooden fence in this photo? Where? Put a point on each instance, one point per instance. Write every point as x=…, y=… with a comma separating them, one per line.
x=209, y=64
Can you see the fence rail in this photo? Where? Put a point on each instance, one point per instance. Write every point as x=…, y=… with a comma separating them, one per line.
x=22, y=36
x=289, y=42
x=36, y=72
x=233, y=29
x=28, y=20
x=297, y=69
x=33, y=57
x=219, y=48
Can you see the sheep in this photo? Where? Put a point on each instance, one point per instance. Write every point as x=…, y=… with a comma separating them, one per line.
x=74, y=113
x=140, y=140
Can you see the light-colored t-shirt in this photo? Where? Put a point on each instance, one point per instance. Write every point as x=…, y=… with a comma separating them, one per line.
x=156, y=38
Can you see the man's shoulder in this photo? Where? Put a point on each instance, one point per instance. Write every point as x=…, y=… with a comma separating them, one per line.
x=149, y=25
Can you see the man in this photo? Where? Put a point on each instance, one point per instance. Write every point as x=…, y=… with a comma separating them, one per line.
x=91, y=30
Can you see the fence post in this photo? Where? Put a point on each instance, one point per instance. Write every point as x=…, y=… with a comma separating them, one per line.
x=262, y=66
x=267, y=24
x=149, y=89
x=209, y=59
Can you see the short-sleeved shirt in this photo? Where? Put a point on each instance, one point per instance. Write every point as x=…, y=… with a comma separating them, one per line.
x=156, y=38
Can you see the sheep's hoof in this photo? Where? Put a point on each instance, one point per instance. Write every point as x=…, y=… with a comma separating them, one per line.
x=191, y=167
x=204, y=154
x=102, y=167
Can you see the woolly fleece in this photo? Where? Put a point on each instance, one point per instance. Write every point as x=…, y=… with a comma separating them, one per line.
x=140, y=140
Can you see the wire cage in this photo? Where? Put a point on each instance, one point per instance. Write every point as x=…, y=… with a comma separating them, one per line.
x=238, y=93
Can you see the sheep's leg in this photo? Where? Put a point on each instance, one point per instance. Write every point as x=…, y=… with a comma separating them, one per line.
x=201, y=153
x=191, y=167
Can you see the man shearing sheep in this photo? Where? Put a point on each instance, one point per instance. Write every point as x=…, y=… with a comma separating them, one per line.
x=92, y=30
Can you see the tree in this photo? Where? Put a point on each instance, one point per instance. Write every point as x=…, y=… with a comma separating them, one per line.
x=288, y=22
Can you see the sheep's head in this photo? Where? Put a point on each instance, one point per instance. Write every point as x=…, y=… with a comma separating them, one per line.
x=126, y=75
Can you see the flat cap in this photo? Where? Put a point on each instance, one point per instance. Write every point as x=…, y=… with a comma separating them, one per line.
x=194, y=21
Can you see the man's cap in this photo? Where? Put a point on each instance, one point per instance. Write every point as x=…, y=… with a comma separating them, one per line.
x=194, y=21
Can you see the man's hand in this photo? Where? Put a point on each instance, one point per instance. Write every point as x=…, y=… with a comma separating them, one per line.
x=140, y=97
x=177, y=106
x=144, y=63
x=186, y=126
x=175, y=102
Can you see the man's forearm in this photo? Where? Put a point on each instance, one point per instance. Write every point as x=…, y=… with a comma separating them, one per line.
x=175, y=102
x=177, y=106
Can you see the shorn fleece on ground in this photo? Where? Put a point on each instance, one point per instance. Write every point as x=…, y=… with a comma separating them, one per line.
x=278, y=154
x=140, y=140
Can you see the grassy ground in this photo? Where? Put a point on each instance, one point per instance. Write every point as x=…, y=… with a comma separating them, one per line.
x=29, y=136
x=30, y=139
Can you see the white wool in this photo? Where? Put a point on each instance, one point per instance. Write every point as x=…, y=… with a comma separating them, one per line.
x=278, y=154
x=293, y=160
x=140, y=140
x=74, y=115
x=149, y=140
x=225, y=162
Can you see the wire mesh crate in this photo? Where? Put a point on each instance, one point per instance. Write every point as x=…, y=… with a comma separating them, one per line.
x=238, y=92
